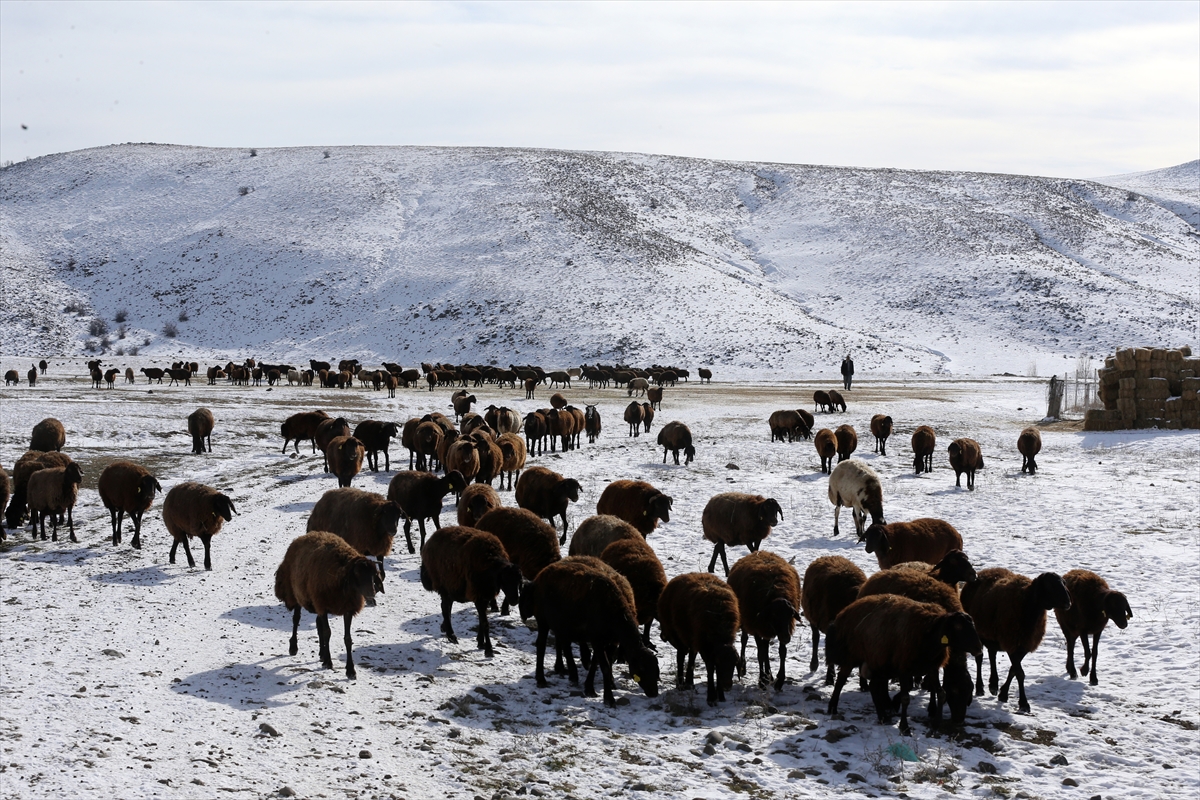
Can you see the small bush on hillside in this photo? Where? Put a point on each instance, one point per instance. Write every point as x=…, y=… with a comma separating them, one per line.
x=183, y=316
x=121, y=316
x=243, y=190
x=253, y=152
x=170, y=331
x=121, y=331
x=97, y=327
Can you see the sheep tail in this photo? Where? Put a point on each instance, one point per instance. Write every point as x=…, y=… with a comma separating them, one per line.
x=426, y=581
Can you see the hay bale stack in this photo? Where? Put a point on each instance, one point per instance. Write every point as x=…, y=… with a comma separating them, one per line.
x=1143, y=387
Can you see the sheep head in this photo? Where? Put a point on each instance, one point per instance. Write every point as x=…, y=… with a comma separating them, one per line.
x=527, y=605
x=568, y=488
x=363, y=577
x=643, y=664
x=1050, y=591
x=660, y=507
x=389, y=518
x=876, y=539
x=1116, y=608
x=73, y=474
x=454, y=482
x=957, y=631
x=954, y=567
x=770, y=512
x=727, y=660
x=147, y=486
x=222, y=507
x=690, y=453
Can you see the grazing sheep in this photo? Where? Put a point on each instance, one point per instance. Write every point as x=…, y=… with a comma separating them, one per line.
x=48, y=436
x=419, y=495
x=1029, y=444
x=461, y=402
x=13, y=378
x=591, y=423
x=127, y=488
x=836, y=401
x=1010, y=613
x=636, y=502
x=676, y=436
x=376, y=436
x=830, y=584
x=153, y=374
x=821, y=401
x=634, y=414
x=546, y=493
x=476, y=500
x=345, y=454
x=881, y=429
x=302, y=426
x=531, y=544
x=194, y=510
x=654, y=396
x=698, y=614
x=856, y=486
x=129, y=375
x=30, y=462
x=890, y=637
x=327, y=431
x=637, y=386
x=768, y=593
x=647, y=418
x=200, y=426
x=512, y=448
x=324, y=575
x=1093, y=604
x=924, y=441
x=965, y=456
x=826, y=443
x=366, y=520
x=178, y=375
x=638, y=562
x=925, y=539
x=736, y=518
x=793, y=425
x=597, y=532
x=847, y=441
x=467, y=565
x=52, y=492
x=582, y=599
x=705, y=375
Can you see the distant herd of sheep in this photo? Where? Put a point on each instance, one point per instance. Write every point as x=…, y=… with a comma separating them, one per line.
x=909, y=623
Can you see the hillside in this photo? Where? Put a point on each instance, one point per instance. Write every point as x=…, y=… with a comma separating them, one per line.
x=410, y=253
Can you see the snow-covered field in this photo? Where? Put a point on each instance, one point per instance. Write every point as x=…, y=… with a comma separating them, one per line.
x=124, y=676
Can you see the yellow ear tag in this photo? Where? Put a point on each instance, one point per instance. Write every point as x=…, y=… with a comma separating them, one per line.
x=945, y=640
x=637, y=678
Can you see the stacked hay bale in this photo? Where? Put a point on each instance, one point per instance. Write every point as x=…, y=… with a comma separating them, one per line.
x=1145, y=388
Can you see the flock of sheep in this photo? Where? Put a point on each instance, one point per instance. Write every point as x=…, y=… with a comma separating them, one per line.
x=909, y=623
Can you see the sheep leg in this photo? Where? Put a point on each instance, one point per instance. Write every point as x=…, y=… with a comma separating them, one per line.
x=540, y=672
x=741, y=665
x=883, y=700
x=971, y=480
x=207, y=538
x=483, y=638
x=860, y=519
x=905, y=689
x=646, y=636
x=187, y=551
x=816, y=637
x=779, y=679
x=293, y=647
x=978, y=674
x=408, y=534
x=763, y=646
x=680, y=674
x=1071, y=656
x=350, y=671
x=137, y=530
x=421, y=523
x=1095, y=654
x=718, y=550
x=691, y=670
x=563, y=539
x=993, y=679
x=323, y=634
x=1019, y=673
x=447, y=628
x=837, y=508
x=713, y=692
x=842, y=675
x=116, y=525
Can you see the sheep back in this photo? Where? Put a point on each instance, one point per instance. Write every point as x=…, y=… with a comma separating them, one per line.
x=914, y=585
x=739, y=518
x=463, y=563
x=366, y=520
x=530, y=542
x=924, y=539
x=597, y=532
x=475, y=501
x=698, y=613
x=890, y=636
x=125, y=486
x=638, y=562
x=321, y=572
x=636, y=502
x=48, y=436
x=830, y=584
x=847, y=441
x=760, y=580
x=1010, y=609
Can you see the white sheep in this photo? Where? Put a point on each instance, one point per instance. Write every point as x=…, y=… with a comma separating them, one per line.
x=856, y=486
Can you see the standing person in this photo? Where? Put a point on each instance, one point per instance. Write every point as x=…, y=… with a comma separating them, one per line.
x=847, y=371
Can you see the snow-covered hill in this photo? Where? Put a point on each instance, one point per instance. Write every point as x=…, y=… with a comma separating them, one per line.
x=505, y=255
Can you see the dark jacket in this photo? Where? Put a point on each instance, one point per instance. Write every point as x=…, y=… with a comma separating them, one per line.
x=847, y=367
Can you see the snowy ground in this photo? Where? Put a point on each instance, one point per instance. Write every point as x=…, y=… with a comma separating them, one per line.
x=124, y=676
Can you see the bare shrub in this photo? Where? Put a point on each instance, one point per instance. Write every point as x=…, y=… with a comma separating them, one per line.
x=183, y=316
x=170, y=330
x=121, y=315
x=97, y=327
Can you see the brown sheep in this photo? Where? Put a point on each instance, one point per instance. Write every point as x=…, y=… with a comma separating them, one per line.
x=881, y=429
x=836, y=401
x=638, y=562
x=462, y=457
x=327, y=431
x=512, y=448
x=1010, y=614
x=546, y=493
x=477, y=500
x=461, y=403
x=705, y=374
x=597, y=532
x=302, y=426
x=676, y=436
x=52, y=492
x=531, y=544
x=636, y=502
x=491, y=457
x=536, y=431
x=324, y=575
x=408, y=438
x=5, y=490
x=13, y=378
x=965, y=456
x=925, y=539
x=1029, y=444
x=582, y=599
x=924, y=441
x=790, y=425
x=376, y=436
x=654, y=396
x=768, y=593
x=557, y=401
x=152, y=374
x=1093, y=604
x=830, y=584
x=49, y=436
x=127, y=488
x=30, y=462
x=32, y=375
x=129, y=375
x=42, y=365
x=821, y=401
x=737, y=518
x=466, y=565
x=591, y=423
x=847, y=441
x=193, y=509
x=345, y=454
x=856, y=486
x=419, y=495
x=200, y=426
x=366, y=520
x=698, y=614
x=530, y=386
x=503, y=419
x=826, y=444
x=428, y=438
x=890, y=637
x=634, y=414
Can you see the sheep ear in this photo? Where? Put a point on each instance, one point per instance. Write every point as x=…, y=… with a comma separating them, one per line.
x=230, y=502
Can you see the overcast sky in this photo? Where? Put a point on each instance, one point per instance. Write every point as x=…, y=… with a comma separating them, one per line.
x=1070, y=89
